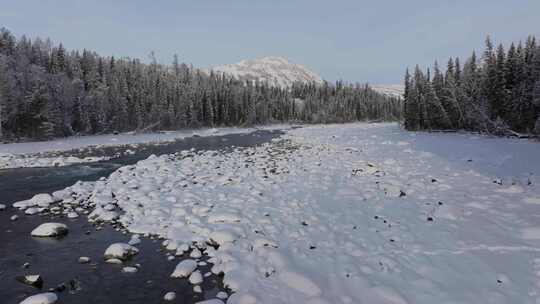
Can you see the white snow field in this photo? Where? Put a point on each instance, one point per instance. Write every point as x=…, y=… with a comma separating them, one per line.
x=27, y=154
x=356, y=213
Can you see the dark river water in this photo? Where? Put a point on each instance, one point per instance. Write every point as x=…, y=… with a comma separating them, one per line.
x=56, y=260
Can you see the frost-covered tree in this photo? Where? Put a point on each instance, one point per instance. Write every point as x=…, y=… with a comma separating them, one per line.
x=497, y=95
x=50, y=91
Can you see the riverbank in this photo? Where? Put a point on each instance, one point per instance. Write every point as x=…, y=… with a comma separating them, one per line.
x=88, y=149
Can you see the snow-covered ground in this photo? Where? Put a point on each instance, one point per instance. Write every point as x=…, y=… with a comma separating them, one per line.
x=357, y=213
x=33, y=154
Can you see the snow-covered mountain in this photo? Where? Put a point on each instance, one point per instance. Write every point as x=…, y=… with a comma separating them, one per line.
x=393, y=90
x=277, y=71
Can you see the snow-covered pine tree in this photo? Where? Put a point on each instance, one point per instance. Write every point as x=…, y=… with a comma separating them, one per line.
x=449, y=100
x=435, y=114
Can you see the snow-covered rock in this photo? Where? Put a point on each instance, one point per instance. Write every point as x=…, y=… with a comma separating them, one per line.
x=50, y=230
x=169, y=296
x=212, y=301
x=100, y=214
x=84, y=260
x=222, y=237
x=135, y=239
x=242, y=298
x=184, y=269
x=43, y=200
x=196, y=277
x=32, y=210
x=130, y=269
x=114, y=261
x=222, y=295
x=33, y=280
x=42, y=298
x=195, y=253
x=2, y=207
x=120, y=251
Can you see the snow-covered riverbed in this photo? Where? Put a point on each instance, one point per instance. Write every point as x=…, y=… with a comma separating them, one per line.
x=357, y=213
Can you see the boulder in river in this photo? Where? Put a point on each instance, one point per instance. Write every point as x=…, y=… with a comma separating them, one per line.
x=184, y=269
x=120, y=251
x=130, y=269
x=170, y=296
x=196, y=278
x=42, y=298
x=34, y=280
x=84, y=260
x=50, y=230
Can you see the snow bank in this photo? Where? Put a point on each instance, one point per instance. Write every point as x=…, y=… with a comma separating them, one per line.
x=12, y=161
x=78, y=142
x=339, y=214
x=25, y=155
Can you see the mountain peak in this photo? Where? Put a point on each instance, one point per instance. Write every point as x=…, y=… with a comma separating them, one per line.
x=275, y=70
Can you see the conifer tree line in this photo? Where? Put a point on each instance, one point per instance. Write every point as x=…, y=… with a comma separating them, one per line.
x=47, y=91
x=498, y=93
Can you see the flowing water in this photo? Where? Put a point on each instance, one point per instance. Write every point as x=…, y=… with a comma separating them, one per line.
x=56, y=260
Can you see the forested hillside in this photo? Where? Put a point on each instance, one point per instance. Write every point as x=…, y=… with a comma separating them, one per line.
x=498, y=93
x=47, y=91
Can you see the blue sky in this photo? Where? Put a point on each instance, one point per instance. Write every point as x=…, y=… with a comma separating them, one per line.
x=365, y=41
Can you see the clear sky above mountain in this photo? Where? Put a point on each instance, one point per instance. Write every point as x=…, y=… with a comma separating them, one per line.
x=366, y=41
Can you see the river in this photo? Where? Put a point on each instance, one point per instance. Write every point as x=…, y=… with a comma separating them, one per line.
x=56, y=260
